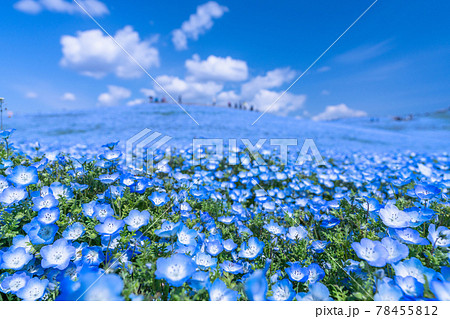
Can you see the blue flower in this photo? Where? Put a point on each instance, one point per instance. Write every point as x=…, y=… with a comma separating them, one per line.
x=176, y=270
x=23, y=176
x=413, y=267
x=229, y=245
x=317, y=292
x=371, y=251
x=252, y=249
x=12, y=195
x=388, y=291
x=318, y=246
x=214, y=247
x=158, y=199
x=426, y=191
x=41, y=234
x=205, y=261
x=48, y=215
x=102, y=211
x=110, y=226
x=440, y=289
x=108, y=178
x=218, y=291
x=74, y=231
x=408, y=236
x=88, y=209
x=57, y=255
x=394, y=218
x=187, y=236
x=15, y=258
x=14, y=282
x=316, y=273
x=92, y=285
x=297, y=233
x=168, y=229
x=256, y=286
x=296, y=272
x=439, y=237
x=48, y=201
x=282, y=291
x=92, y=256
x=137, y=219
x=274, y=228
x=410, y=286
x=199, y=280
x=396, y=250
x=232, y=268
x=33, y=290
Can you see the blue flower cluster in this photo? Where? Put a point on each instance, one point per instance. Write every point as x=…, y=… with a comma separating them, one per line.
x=372, y=227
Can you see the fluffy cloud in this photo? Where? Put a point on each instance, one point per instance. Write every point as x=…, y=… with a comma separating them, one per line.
x=188, y=88
x=272, y=79
x=334, y=112
x=227, y=96
x=68, y=97
x=94, y=7
x=217, y=69
x=288, y=103
x=136, y=102
x=198, y=24
x=148, y=92
x=93, y=54
x=114, y=96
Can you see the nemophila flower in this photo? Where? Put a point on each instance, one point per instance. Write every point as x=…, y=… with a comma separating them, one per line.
x=318, y=246
x=252, y=249
x=396, y=250
x=92, y=256
x=13, y=283
x=57, y=255
x=15, y=258
x=3, y=183
x=48, y=215
x=109, y=178
x=413, y=267
x=282, y=291
x=410, y=286
x=440, y=289
x=439, y=237
x=229, y=245
x=297, y=233
x=168, y=229
x=227, y=220
x=370, y=205
x=214, y=247
x=48, y=201
x=408, y=236
x=33, y=290
x=218, y=291
x=187, y=236
x=317, y=292
x=329, y=221
x=5, y=134
x=24, y=242
x=274, y=228
x=256, y=286
x=79, y=187
x=92, y=285
x=12, y=195
x=102, y=211
x=42, y=234
x=61, y=191
x=74, y=231
x=296, y=272
x=205, y=261
x=176, y=270
x=158, y=199
x=388, y=291
x=371, y=251
x=393, y=217
x=426, y=191
x=110, y=226
x=199, y=280
x=231, y=267
x=137, y=219
x=111, y=155
x=23, y=176
x=316, y=273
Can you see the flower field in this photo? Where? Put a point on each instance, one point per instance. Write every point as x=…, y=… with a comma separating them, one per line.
x=361, y=227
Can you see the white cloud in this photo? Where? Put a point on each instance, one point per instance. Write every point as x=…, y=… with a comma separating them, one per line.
x=227, y=96
x=94, y=7
x=272, y=79
x=364, y=53
x=288, y=103
x=68, y=97
x=148, y=92
x=334, y=112
x=198, y=24
x=31, y=95
x=136, y=102
x=189, y=89
x=114, y=96
x=93, y=54
x=217, y=69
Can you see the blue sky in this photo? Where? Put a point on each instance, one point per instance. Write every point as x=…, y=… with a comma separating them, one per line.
x=395, y=60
